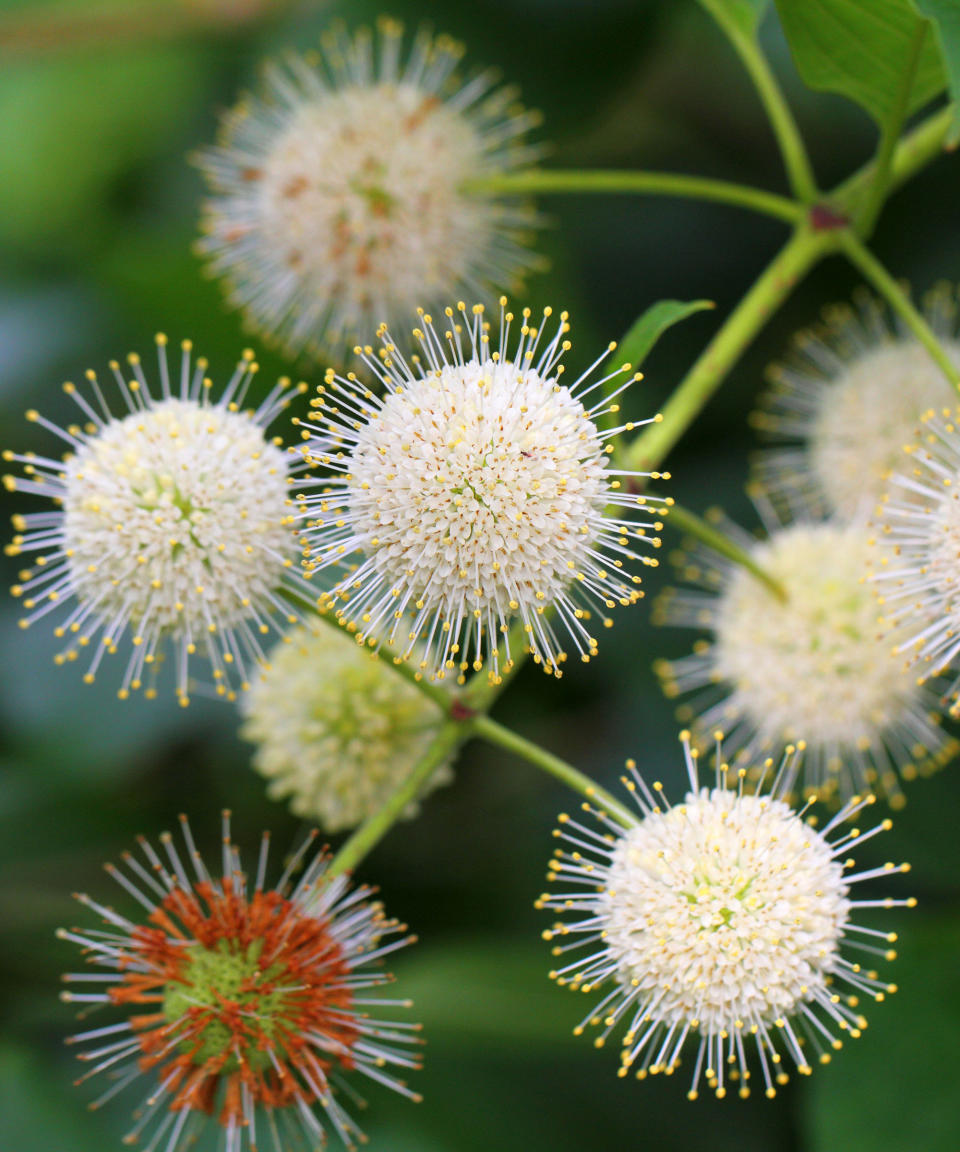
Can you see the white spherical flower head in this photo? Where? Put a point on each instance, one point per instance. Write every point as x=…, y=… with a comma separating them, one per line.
x=341, y=197
x=724, y=917
x=811, y=663
x=916, y=571
x=852, y=396
x=475, y=491
x=337, y=729
x=712, y=870
x=172, y=522
x=185, y=487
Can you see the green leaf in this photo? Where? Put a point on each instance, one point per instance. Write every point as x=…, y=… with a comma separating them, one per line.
x=744, y=14
x=945, y=15
x=865, y=50
x=647, y=330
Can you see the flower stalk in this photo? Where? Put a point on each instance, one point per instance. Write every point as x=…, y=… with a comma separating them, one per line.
x=805, y=247
x=862, y=258
x=792, y=149
x=725, y=546
x=550, y=181
x=495, y=733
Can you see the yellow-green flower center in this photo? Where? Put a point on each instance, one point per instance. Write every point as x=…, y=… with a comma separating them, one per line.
x=240, y=1006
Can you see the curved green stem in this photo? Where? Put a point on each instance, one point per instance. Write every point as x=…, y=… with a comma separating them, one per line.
x=722, y=544
x=540, y=180
x=859, y=255
x=440, y=696
x=461, y=710
x=800, y=253
x=914, y=151
x=448, y=738
x=876, y=192
x=917, y=148
x=496, y=733
x=792, y=149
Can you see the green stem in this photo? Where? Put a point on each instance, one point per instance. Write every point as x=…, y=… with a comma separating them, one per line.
x=914, y=151
x=859, y=255
x=440, y=696
x=722, y=544
x=448, y=738
x=538, y=180
x=919, y=147
x=876, y=192
x=479, y=694
x=496, y=733
x=795, y=158
x=793, y=261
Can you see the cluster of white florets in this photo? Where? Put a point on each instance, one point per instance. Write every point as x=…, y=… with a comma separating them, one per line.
x=180, y=490
x=712, y=869
x=477, y=490
x=342, y=198
x=809, y=664
x=337, y=729
x=722, y=917
x=171, y=522
x=916, y=569
x=849, y=399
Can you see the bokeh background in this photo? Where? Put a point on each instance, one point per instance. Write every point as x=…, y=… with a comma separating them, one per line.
x=98, y=210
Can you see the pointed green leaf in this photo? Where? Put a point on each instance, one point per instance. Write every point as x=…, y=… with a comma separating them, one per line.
x=647, y=330
x=945, y=15
x=865, y=50
x=745, y=14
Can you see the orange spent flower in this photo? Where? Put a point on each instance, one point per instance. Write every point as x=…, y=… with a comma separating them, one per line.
x=247, y=1003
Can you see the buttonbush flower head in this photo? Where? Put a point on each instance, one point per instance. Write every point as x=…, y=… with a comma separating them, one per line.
x=475, y=491
x=170, y=522
x=341, y=195
x=852, y=394
x=812, y=664
x=916, y=566
x=242, y=1003
x=725, y=921
x=336, y=728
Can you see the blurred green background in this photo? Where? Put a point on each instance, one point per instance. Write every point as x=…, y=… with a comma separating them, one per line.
x=98, y=212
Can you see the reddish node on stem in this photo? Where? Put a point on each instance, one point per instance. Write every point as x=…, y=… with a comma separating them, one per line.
x=461, y=711
x=823, y=218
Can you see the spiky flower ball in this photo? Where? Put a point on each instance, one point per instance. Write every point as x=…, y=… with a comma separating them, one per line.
x=342, y=198
x=239, y=1002
x=170, y=523
x=916, y=567
x=811, y=663
x=336, y=728
x=848, y=400
x=725, y=920
x=477, y=490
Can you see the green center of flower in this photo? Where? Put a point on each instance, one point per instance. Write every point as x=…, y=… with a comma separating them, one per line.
x=237, y=1008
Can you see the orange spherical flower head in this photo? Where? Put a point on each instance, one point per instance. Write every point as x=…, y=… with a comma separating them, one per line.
x=246, y=1004
x=170, y=523
x=352, y=187
x=725, y=921
x=476, y=491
